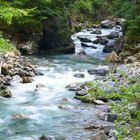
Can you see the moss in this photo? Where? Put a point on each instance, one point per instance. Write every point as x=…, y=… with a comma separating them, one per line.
x=86, y=99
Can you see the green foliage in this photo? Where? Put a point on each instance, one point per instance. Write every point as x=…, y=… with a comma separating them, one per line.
x=5, y=45
x=126, y=103
x=8, y=13
x=133, y=30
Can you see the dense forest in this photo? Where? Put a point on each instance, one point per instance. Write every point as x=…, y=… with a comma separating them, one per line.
x=104, y=74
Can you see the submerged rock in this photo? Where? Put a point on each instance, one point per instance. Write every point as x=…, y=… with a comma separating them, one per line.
x=40, y=86
x=66, y=107
x=79, y=75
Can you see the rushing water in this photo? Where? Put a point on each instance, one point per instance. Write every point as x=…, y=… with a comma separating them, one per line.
x=40, y=107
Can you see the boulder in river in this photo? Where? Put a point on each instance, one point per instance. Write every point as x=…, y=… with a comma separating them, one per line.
x=75, y=87
x=81, y=52
x=82, y=39
x=113, y=35
x=101, y=40
x=99, y=71
x=79, y=75
x=6, y=93
x=87, y=45
x=97, y=31
x=40, y=85
x=27, y=80
x=109, y=47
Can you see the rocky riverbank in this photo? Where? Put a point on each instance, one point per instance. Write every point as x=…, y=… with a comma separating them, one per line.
x=15, y=66
x=105, y=90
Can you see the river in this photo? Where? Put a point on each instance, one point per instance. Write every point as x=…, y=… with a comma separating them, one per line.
x=41, y=107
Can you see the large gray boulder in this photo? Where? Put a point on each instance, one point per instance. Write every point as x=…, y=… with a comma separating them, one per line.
x=109, y=47
x=99, y=71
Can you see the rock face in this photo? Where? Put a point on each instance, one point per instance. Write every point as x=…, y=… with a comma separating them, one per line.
x=99, y=71
x=58, y=39
x=27, y=48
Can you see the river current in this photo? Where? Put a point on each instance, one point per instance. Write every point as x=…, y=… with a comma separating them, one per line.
x=41, y=109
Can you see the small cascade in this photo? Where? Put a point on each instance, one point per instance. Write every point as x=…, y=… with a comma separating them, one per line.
x=93, y=40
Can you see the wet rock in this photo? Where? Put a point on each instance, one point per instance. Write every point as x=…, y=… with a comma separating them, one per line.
x=75, y=87
x=23, y=73
x=5, y=93
x=79, y=75
x=66, y=107
x=103, y=40
x=19, y=116
x=1, y=81
x=81, y=52
x=81, y=93
x=99, y=71
x=113, y=35
x=91, y=127
x=106, y=24
x=45, y=138
x=4, y=69
x=40, y=86
x=27, y=80
x=109, y=47
x=38, y=73
x=88, y=45
x=84, y=39
x=97, y=31
x=7, y=133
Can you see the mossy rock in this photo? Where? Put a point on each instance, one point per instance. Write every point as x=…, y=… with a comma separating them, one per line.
x=86, y=99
